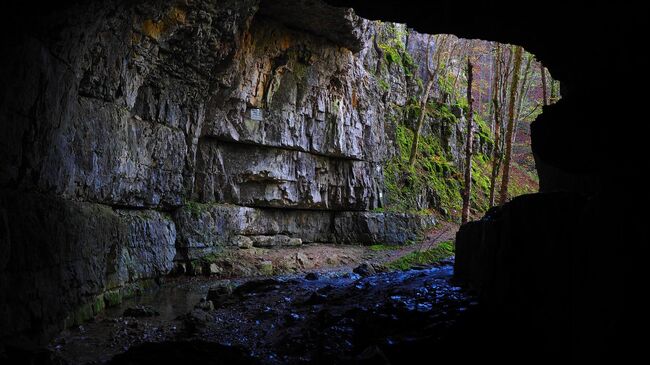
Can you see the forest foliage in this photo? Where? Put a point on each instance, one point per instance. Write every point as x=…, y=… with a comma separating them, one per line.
x=425, y=175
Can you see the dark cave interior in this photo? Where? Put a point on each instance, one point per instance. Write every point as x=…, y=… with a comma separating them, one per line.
x=558, y=274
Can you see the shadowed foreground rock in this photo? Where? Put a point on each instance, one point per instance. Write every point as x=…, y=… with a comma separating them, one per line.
x=189, y=352
x=566, y=291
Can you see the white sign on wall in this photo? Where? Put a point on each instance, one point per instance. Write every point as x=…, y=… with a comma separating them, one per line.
x=256, y=114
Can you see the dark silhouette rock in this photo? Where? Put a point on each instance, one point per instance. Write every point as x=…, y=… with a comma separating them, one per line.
x=311, y=276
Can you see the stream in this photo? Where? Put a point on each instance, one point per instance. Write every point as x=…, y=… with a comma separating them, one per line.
x=332, y=317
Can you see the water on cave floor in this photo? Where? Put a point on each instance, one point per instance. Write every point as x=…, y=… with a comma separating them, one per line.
x=331, y=317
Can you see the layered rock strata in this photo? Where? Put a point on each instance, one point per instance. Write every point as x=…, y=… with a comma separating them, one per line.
x=150, y=134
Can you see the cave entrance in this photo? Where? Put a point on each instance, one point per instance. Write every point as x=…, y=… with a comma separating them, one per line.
x=250, y=142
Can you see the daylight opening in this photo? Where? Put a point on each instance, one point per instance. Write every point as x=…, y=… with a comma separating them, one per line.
x=430, y=72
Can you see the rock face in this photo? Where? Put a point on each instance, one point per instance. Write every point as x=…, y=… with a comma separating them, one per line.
x=209, y=228
x=389, y=228
x=161, y=132
x=58, y=254
x=547, y=287
x=280, y=178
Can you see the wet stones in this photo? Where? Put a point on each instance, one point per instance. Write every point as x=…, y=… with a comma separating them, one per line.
x=206, y=305
x=141, y=311
x=227, y=292
x=196, y=320
x=365, y=269
x=372, y=355
x=257, y=286
x=220, y=294
x=183, y=352
x=311, y=276
x=316, y=298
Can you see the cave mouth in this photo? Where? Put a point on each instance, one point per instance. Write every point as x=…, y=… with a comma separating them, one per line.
x=259, y=177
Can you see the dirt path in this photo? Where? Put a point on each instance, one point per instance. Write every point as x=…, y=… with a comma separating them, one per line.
x=321, y=257
x=444, y=231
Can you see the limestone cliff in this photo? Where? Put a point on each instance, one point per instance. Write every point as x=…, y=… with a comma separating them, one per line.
x=138, y=138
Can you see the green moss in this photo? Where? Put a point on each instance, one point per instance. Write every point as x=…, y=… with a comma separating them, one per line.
x=432, y=171
x=446, y=84
x=484, y=132
x=394, y=50
x=383, y=85
x=300, y=70
x=214, y=257
x=426, y=257
x=441, y=111
x=408, y=64
x=98, y=304
x=112, y=298
x=481, y=171
x=382, y=247
x=195, y=208
x=85, y=312
x=266, y=268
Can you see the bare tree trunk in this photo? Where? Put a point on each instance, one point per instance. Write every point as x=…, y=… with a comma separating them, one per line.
x=523, y=92
x=465, y=50
x=543, y=71
x=468, y=147
x=493, y=82
x=423, y=112
x=496, y=112
x=503, y=196
x=505, y=76
x=425, y=97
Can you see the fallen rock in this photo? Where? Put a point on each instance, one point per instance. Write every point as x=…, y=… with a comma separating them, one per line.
x=206, y=305
x=214, y=268
x=242, y=242
x=326, y=289
x=316, y=298
x=311, y=276
x=257, y=286
x=365, y=269
x=219, y=294
x=140, y=311
x=196, y=320
x=372, y=355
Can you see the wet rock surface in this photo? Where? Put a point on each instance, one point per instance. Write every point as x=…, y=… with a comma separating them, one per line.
x=183, y=352
x=338, y=317
x=140, y=311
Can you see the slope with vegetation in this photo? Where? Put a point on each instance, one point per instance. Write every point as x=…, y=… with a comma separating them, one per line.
x=424, y=80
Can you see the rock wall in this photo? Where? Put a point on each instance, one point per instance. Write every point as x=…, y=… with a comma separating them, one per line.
x=63, y=261
x=570, y=286
x=140, y=136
